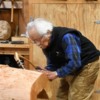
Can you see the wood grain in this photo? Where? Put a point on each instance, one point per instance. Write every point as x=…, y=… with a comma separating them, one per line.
x=79, y=16
x=56, y=13
x=21, y=84
x=83, y=17
x=65, y=1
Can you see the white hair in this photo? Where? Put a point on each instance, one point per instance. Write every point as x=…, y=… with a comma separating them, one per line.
x=41, y=25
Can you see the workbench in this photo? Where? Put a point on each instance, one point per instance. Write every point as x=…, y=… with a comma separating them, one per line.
x=23, y=49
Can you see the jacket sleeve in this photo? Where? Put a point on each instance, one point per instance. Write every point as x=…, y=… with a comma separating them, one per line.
x=72, y=52
x=50, y=66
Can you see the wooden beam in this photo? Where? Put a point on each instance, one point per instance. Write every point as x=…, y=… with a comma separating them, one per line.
x=8, y=5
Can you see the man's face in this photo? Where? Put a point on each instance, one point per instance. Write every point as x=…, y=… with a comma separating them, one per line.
x=41, y=41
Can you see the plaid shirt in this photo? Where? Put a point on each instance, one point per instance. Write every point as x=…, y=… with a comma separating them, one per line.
x=72, y=51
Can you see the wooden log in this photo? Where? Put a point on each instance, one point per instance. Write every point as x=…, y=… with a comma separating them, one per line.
x=5, y=30
x=21, y=84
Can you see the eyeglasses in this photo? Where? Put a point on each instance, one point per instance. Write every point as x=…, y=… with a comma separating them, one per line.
x=37, y=40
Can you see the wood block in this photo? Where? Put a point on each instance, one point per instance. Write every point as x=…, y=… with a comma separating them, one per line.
x=25, y=39
x=21, y=84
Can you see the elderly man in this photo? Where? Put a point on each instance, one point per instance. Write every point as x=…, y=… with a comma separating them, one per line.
x=70, y=56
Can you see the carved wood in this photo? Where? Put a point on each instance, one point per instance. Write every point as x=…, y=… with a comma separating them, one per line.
x=20, y=84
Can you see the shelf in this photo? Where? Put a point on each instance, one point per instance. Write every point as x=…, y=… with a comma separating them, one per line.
x=14, y=45
x=8, y=5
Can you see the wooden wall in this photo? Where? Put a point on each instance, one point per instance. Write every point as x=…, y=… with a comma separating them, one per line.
x=79, y=14
x=24, y=16
x=83, y=15
x=64, y=1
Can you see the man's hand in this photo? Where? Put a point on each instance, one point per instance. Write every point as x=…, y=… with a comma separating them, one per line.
x=51, y=74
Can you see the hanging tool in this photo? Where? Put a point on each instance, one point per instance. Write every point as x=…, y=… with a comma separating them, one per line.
x=12, y=10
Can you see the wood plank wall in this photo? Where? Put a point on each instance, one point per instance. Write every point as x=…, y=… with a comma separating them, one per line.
x=83, y=15
x=24, y=16
x=65, y=1
x=80, y=16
